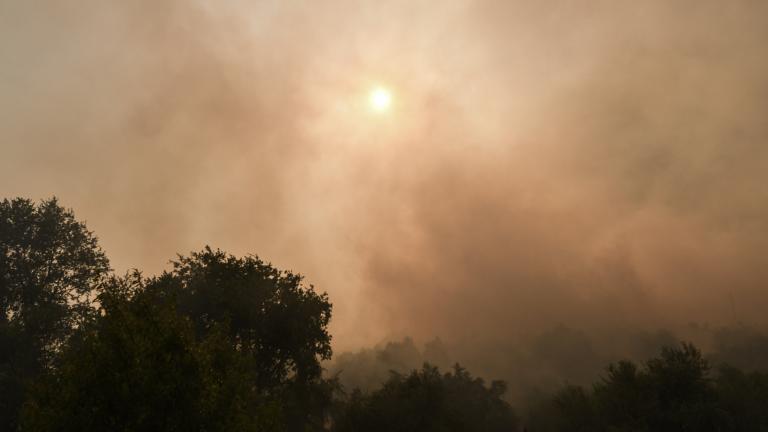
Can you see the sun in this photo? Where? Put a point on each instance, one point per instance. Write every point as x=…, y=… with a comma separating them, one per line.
x=380, y=99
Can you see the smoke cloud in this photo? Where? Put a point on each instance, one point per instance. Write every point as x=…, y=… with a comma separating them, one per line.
x=600, y=164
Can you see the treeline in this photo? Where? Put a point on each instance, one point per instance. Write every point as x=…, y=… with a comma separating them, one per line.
x=676, y=391
x=537, y=364
x=218, y=343
x=224, y=343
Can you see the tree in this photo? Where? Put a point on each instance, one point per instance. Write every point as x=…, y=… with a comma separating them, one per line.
x=140, y=367
x=269, y=315
x=625, y=397
x=426, y=400
x=744, y=397
x=218, y=343
x=50, y=267
x=672, y=392
x=268, y=312
x=682, y=390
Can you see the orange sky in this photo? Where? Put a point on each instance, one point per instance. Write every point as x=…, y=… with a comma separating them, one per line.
x=592, y=163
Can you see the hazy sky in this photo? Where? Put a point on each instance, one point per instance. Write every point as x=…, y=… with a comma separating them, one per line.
x=592, y=163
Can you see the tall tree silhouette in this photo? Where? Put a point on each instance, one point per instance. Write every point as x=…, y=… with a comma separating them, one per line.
x=426, y=400
x=140, y=367
x=268, y=312
x=50, y=267
x=217, y=343
x=671, y=392
x=269, y=315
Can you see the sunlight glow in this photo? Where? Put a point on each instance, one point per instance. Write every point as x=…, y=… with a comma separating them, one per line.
x=380, y=99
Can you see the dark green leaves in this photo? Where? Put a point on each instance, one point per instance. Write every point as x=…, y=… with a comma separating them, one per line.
x=51, y=267
x=427, y=400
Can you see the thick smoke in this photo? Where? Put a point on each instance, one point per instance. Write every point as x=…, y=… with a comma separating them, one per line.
x=600, y=165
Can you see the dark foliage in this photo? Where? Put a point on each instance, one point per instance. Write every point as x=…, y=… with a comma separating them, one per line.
x=50, y=269
x=673, y=392
x=267, y=312
x=427, y=400
x=141, y=368
x=268, y=316
x=219, y=343
x=222, y=343
x=744, y=397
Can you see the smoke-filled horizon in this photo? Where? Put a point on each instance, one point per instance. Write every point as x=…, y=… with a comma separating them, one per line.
x=596, y=164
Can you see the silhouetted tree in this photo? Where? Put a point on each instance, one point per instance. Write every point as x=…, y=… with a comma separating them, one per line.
x=744, y=397
x=50, y=267
x=369, y=368
x=269, y=313
x=426, y=400
x=673, y=392
x=218, y=343
x=222, y=343
x=269, y=316
x=140, y=367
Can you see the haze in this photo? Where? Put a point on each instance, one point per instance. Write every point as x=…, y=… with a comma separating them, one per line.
x=596, y=164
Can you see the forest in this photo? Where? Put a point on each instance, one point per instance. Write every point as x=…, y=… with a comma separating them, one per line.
x=225, y=343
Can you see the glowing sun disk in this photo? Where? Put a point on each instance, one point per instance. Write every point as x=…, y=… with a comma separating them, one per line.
x=380, y=99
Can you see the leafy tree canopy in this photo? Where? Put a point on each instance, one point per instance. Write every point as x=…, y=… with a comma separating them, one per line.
x=676, y=391
x=268, y=313
x=217, y=343
x=426, y=400
x=50, y=269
